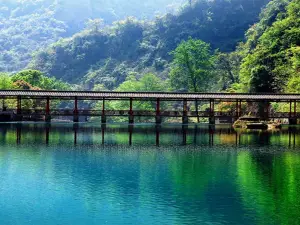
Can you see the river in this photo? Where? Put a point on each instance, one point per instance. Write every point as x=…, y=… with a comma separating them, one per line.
x=143, y=174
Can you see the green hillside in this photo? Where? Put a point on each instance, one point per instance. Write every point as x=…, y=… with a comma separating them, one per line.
x=220, y=45
x=272, y=61
x=108, y=55
x=29, y=25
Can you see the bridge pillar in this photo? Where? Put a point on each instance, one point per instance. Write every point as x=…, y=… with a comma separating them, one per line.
x=293, y=115
x=267, y=117
x=212, y=119
x=293, y=121
x=76, y=116
x=185, y=119
x=19, y=116
x=131, y=116
x=240, y=108
x=295, y=109
x=3, y=104
x=237, y=113
x=158, y=119
x=48, y=116
x=103, y=117
x=290, y=109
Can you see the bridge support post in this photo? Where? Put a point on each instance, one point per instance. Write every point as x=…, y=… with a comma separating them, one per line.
x=131, y=116
x=158, y=119
x=48, y=116
x=293, y=116
x=295, y=109
x=3, y=104
x=268, y=111
x=212, y=119
x=75, y=116
x=103, y=117
x=238, y=109
x=19, y=116
x=185, y=119
x=293, y=121
x=197, y=110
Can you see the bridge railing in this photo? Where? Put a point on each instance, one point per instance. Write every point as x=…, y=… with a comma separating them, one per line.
x=204, y=114
x=71, y=112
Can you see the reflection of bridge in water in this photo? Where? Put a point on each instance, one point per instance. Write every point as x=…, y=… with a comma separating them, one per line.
x=156, y=98
x=156, y=135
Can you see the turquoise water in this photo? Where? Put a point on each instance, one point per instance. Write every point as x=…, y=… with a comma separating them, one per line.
x=119, y=174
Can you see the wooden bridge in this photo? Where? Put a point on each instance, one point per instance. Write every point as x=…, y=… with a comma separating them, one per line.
x=184, y=99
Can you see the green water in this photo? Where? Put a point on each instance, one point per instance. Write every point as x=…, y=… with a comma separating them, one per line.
x=119, y=174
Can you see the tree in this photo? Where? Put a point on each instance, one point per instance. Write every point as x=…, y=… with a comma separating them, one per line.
x=148, y=82
x=5, y=84
x=227, y=68
x=191, y=67
x=37, y=79
x=33, y=77
x=5, y=81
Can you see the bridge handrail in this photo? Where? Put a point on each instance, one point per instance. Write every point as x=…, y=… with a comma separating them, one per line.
x=149, y=95
x=87, y=112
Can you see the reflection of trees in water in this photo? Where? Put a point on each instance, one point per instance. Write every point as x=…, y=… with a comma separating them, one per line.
x=205, y=181
x=256, y=138
x=270, y=187
x=196, y=182
x=145, y=135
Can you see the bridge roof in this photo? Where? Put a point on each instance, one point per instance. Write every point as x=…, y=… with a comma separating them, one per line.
x=148, y=95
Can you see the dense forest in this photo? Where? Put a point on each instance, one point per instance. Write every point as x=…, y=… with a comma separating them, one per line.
x=29, y=25
x=220, y=45
x=107, y=56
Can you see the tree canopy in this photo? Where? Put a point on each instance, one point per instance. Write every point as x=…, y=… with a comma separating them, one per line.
x=107, y=55
x=27, y=26
x=191, y=69
x=275, y=58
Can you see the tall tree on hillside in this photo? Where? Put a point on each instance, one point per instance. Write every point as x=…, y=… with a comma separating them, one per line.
x=5, y=84
x=191, y=67
x=227, y=66
x=37, y=79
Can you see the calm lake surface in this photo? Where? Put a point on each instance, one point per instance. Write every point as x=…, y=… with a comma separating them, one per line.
x=119, y=174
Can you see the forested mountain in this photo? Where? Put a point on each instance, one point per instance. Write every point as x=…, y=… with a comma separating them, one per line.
x=108, y=55
x=219, y=45
x=272, y=59
x=28, y=25
x=269, y=59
